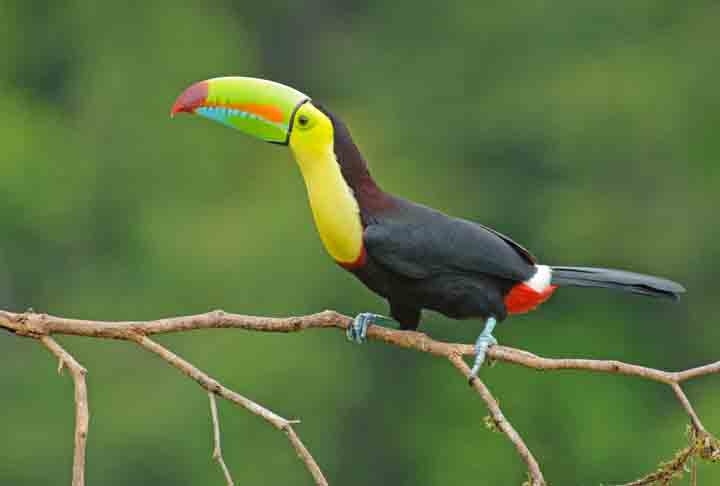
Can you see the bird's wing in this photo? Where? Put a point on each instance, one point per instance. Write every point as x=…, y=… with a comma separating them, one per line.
x=419, y=242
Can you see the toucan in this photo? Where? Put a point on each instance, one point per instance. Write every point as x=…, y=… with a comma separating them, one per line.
x=414, y=256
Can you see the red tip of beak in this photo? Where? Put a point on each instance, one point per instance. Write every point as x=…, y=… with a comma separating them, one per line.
x=190, y=99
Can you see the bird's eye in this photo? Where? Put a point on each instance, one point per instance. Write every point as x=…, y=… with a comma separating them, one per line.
x=303, y=120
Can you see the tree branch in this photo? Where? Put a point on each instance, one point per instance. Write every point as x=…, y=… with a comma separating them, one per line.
x=217, y=449
x=213, y=386
x=500, y=422
x=82, y=412
x=41, y=326
x=694, y=419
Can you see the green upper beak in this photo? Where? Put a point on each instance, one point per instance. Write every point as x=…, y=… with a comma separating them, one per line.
x=258, y=107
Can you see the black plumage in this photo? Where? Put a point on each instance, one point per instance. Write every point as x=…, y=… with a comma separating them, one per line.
x=420, y=258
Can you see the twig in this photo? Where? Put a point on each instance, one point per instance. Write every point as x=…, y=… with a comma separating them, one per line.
x=214, y=387
x=304, y=455
x=694, y=419
x=217, y=449
x=702, y=446
x=39, y=325
x=82, y=413
x=501, y=422
x=668, y=471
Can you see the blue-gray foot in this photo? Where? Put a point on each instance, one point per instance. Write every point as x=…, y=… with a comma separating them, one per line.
x=484, y=341
x=357, y=331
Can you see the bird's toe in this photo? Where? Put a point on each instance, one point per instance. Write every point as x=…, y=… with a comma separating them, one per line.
x=357, y=330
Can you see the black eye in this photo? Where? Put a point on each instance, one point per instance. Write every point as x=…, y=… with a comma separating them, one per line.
x=303, y=120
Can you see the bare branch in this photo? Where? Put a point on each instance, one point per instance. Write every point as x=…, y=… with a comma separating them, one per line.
x=217, y=449
x=501, y=422
x=694, y=419
x=212, y=386
x=304, y=455
x=41, y=325
x=82, y=412
x=31, y=324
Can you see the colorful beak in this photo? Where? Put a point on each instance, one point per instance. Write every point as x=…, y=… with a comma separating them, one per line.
x=261, y=108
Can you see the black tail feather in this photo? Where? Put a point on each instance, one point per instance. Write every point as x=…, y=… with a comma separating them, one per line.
x=635, y=283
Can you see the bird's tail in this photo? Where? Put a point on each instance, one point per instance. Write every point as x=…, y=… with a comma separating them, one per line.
x=635, y=283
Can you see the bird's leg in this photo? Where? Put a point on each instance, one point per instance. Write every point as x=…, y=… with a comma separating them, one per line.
x=357, y=330
x=483, y=343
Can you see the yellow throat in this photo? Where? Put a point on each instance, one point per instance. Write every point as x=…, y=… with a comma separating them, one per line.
x=334, y=207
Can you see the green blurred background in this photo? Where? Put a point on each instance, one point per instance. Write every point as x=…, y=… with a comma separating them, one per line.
x=586, y=130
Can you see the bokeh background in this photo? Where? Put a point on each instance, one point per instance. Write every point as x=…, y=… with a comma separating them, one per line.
x=586, y=130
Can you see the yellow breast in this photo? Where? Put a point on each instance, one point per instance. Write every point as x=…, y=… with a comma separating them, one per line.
x=333, y=204
x=335, y=210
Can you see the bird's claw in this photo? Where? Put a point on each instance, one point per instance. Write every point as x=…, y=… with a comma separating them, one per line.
x=357, y=330
x=484, y=342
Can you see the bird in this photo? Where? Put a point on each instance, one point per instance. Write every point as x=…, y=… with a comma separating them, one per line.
x=415, y=257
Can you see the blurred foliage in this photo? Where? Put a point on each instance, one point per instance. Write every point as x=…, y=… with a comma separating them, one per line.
x=588, y=131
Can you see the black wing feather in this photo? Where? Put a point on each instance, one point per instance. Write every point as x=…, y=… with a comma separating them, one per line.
x=419, y=242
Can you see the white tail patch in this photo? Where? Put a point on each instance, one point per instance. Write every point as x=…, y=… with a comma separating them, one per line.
x=541, y=280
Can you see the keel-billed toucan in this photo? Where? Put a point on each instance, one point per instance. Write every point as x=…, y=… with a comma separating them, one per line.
x=414, y=256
